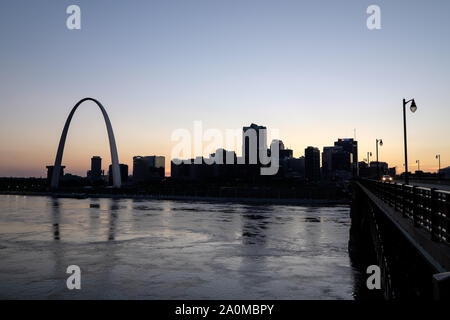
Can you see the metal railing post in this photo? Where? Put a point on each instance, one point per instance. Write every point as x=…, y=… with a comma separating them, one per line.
x=395, y=196
x=415, y=207
x=434, y=214
x=403, y=200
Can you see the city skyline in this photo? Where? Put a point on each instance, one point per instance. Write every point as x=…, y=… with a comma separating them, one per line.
x=314, y=71
x=344, y=149
x=296, y=154
x=239, y=155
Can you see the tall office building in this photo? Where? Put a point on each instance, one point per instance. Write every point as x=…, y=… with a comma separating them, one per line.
x=327, y=165
x=254, y=143
x=312, y=164
x=341, y=160
x=296, y=167
x=351, y=146
x=96, y=166
x=148, y=168
x=96, y=172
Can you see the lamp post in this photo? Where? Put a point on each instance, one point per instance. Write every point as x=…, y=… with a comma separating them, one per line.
x=369, y=154
x=438, y=156
x=413, y=109
x=418, y=165
x=380, y=142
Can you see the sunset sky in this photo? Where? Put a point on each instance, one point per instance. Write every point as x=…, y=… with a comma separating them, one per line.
x=311, y=69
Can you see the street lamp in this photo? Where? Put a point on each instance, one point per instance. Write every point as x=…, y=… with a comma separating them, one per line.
x=418, y=165
x=438, y=156
x=413, y=109
x=380, y=142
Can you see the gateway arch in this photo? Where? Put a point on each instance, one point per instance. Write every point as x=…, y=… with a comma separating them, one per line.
x=112, y=145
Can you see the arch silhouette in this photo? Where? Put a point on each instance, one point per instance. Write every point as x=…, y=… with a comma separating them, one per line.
x=112, y=145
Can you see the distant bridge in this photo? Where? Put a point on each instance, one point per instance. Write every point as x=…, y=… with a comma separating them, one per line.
x=408, y=228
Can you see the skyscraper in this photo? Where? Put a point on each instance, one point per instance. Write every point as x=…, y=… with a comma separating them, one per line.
x=96, y=172
x=254, y=143
x=327, y=165
x=312, y=164
x=351, y=146
x=147, y=168
x=96, y=166
x=342, y=164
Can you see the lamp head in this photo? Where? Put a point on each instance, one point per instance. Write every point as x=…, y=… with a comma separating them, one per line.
x=413, y=107
x=381, y=142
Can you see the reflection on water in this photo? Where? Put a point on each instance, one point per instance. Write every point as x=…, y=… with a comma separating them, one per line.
x=56, y=217
x=173, y=249
x=254, y=227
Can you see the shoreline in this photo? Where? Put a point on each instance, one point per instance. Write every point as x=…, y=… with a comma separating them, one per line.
x=278, y=201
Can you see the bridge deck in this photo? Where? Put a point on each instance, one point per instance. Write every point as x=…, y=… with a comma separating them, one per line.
x=436, y=253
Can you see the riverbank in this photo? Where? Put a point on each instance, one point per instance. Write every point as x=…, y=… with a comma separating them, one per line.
x=277, y=201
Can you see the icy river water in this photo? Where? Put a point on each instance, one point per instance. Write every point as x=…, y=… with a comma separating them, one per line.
x=157, y=249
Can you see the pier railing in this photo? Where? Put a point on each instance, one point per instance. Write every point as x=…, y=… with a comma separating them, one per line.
x=428, y=208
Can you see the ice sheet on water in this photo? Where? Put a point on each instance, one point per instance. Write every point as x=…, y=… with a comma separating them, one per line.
x=173, y=249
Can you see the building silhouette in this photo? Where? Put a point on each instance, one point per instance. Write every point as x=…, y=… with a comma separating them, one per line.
x=254, y=143
x=283, y=153
x=96, y=166
x=351, y=146
x=341, y=164
x=225, y=164
x=148, y=168
x=294, y=167
x=284, y=156
x=327, y=162
x=221, y=165
x=445, y=173
x=380, y=166
x=96, y=173
x=340, y=161
x=312, y=164
x=123, y=173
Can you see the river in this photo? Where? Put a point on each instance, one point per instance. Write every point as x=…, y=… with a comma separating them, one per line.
x=157, y=249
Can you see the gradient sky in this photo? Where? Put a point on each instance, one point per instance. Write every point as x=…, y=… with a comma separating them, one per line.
x=309, y=68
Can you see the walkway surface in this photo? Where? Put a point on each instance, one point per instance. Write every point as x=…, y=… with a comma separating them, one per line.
x=438, y=186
